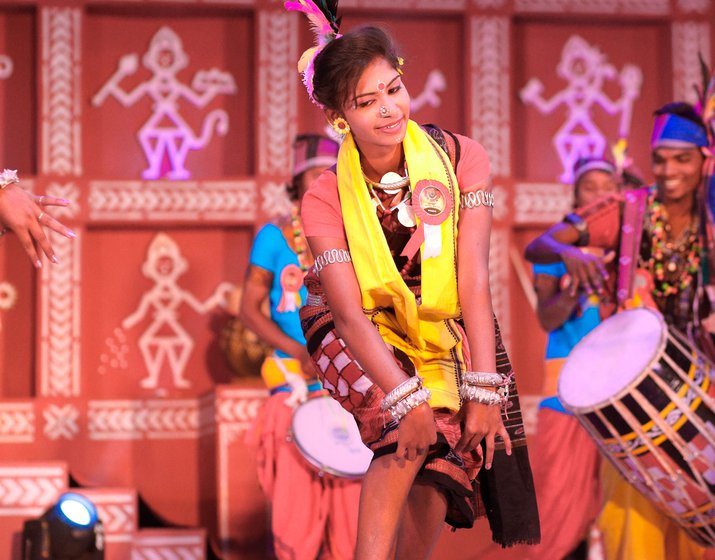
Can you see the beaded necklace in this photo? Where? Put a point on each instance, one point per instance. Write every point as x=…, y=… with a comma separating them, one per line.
x=673, y=265
x=389, y=188
x=299, y=241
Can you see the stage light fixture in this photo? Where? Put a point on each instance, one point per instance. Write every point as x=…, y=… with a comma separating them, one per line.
x=69, y=530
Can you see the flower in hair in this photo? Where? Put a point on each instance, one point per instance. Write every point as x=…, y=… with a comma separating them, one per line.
x=324, y=24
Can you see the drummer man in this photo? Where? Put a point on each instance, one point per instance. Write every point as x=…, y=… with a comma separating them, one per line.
x=312, y=516
x=669, y=266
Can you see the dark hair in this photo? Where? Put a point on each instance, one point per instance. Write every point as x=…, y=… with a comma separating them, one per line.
x=340, y=64
x=682, y=109
x=293, y=187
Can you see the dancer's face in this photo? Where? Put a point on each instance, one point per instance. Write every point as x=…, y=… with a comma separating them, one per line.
x=379, y=112
x=678, y=172
x=594, y=185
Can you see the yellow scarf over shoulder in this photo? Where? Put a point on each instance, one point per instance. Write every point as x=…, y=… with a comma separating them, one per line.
x=425, y=331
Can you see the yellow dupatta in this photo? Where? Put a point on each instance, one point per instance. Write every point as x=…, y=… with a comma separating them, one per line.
x=421, y=331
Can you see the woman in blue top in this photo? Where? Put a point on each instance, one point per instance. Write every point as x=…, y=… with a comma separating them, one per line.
x=311, y=515
x=566, y=460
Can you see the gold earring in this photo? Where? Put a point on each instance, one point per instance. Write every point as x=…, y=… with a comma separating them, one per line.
x=341, y=126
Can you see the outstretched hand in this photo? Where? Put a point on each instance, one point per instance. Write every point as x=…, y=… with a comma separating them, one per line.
x=25, y=215
x=587, y=269
x=480, y=422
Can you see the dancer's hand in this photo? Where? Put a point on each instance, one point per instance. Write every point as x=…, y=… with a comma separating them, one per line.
x=416, y=433
x=481, y=421
x=24, y=214
x=587, y=270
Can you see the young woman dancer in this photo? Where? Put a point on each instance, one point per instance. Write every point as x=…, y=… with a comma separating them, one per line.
x=399, y=317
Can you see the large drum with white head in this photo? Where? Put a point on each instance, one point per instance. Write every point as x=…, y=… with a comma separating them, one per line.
x=328, y=437
x=645, y=394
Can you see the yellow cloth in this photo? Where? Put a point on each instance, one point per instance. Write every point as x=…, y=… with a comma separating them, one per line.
x=423, y=332
x=273, y=367
x=635, y=529
x=551, y=378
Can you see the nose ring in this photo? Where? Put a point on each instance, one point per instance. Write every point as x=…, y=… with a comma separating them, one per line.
x=384, y=112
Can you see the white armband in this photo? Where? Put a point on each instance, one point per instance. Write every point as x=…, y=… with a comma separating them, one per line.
x=331, y=256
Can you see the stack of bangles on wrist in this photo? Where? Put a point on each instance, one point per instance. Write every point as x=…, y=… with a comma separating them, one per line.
x=476, y=386
x=407, y=396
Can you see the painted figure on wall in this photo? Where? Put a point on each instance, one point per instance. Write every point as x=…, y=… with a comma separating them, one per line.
x=585, y=69
x=166, y=138
x=165, y=340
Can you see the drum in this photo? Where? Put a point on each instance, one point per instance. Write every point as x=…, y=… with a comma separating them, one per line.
x=644, y=393
x=327, y=436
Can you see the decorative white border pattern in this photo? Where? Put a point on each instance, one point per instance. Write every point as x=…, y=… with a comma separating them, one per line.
x=277, y=90
x=499, y=280
x=489, y=76
x=117, y=508
x=276, y=201
x=60, y=320
x=501, y=202
x=151, y=419
x=184, y=544
x=635, y=7
x=541, y=203
x=202, y=2
x=232, y=201
x=406, y=4
x=17, y=422
x=489, y=4
x=239, y=406
x=61, y=103
x=235, y=410
x=694, y=6
x=27, y=489
x=61, y=421
x=689, y=39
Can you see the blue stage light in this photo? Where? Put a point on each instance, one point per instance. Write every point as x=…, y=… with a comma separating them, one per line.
x=69, y=530
x=76, y=510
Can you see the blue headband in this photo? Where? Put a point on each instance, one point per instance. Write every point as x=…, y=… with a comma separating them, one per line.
x=671, y=130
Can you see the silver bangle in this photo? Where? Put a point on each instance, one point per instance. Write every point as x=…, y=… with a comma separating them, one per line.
x=314, y=300
x=400, y=392
x=473, y=199
x=484, y=379
x=331, y=256
x=482, y=396
x=8, y=177
x=410, y=402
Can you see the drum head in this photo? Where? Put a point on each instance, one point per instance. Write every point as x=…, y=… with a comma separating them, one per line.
x=328, y=437
x=610, y=357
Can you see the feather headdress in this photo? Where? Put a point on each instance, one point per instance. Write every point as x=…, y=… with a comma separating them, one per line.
x=325, y=25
